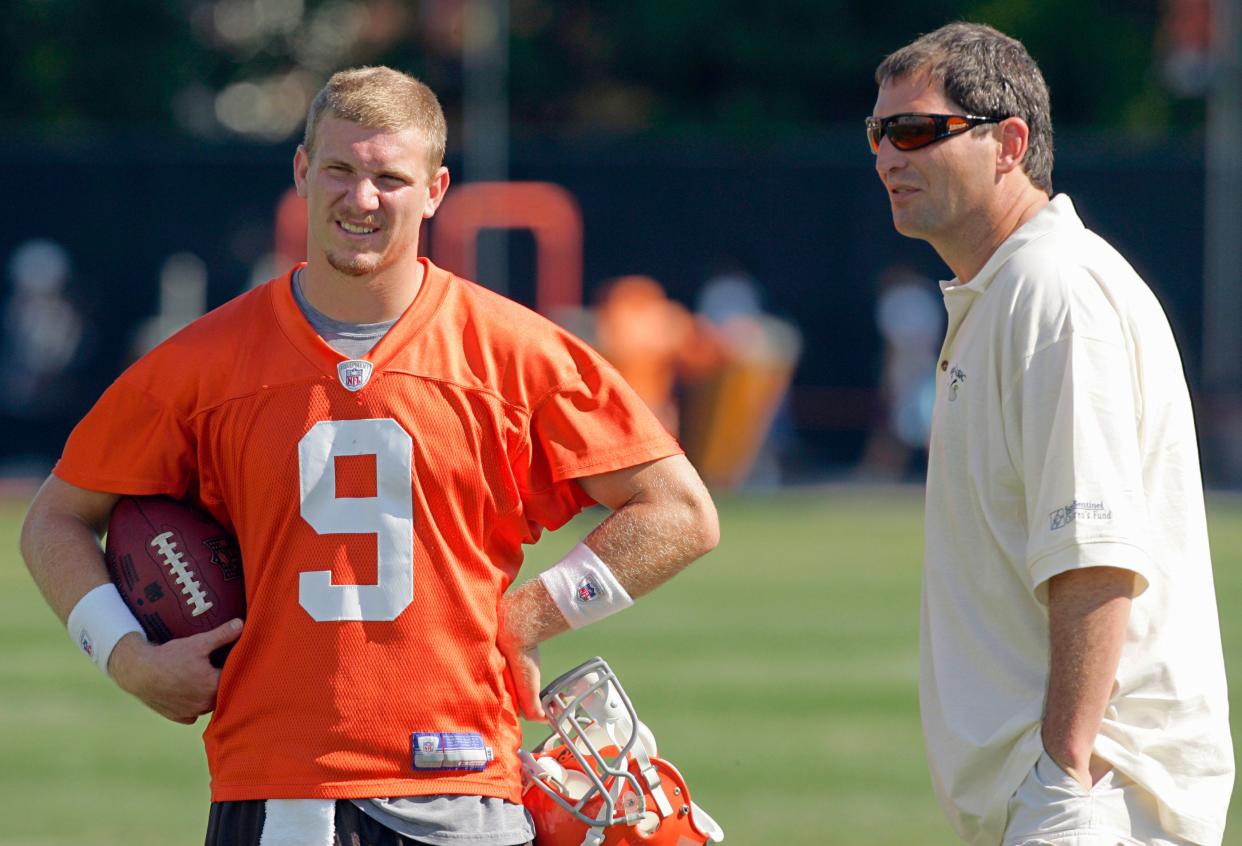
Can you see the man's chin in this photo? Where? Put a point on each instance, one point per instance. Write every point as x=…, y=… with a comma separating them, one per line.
x=908, y=227
x=354, y=265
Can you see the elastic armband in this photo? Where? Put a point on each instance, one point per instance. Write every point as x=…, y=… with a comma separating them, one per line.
x=99, y=620
x=583, y=587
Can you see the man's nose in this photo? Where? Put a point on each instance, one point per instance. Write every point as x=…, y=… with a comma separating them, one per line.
x=364, y=195
x=887, y=158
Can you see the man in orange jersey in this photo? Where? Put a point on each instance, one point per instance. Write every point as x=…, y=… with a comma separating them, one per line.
x=382, y=437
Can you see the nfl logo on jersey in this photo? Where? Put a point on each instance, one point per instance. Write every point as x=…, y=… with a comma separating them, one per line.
x=354, y=374
x=587, y=590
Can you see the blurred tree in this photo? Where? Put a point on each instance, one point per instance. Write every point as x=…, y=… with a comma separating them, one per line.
x=249, y=67
x=69, y=64
x=767, y=68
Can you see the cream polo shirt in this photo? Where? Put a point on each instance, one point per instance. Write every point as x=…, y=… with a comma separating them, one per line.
x=1062, y=438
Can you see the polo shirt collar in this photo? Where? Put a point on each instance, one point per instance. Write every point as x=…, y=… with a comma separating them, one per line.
x=1059, y=213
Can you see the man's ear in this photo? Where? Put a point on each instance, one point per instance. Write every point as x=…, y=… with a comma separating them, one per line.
x=301, y=167
x=437, y=186
x=1015, y=137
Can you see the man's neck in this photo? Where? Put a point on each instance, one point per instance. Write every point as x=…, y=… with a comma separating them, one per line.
x=967, y=256
x=375, y=298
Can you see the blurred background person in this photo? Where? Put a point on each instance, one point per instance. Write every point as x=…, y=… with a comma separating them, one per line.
x=738, y=415
x=910, y=318
x=653, y=342
x=182, y=300
x=44, y=335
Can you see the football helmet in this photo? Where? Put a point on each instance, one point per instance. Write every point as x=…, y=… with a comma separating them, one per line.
x=598, y=781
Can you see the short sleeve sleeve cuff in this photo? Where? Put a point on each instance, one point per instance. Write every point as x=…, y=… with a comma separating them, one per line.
x=1102, y=553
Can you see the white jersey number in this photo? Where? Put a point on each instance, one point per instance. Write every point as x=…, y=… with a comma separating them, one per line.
x=389, y=515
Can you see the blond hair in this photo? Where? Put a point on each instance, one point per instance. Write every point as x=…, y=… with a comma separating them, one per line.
x=380, y=98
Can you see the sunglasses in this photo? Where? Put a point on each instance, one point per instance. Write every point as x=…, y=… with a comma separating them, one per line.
x=912, y=130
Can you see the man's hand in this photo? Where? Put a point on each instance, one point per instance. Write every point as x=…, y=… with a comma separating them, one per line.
x=524, y=666
x=174, y=679
x=522, y=619
x=1089, y=777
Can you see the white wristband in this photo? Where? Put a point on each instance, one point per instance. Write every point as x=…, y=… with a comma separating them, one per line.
x=583, y=587
x=98, y=621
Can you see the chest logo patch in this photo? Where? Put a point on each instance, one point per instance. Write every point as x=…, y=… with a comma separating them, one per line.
x=957, y=378
x=354, y=374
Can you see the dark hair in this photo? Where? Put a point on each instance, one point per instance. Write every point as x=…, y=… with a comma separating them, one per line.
x=987, y=73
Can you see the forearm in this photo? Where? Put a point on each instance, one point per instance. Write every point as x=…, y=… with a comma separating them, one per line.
x=529, y=616
x=62, y=552
x=653, y=537
x=1088, y=612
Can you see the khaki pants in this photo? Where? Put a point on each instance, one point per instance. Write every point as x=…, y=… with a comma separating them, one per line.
x=1052, y=809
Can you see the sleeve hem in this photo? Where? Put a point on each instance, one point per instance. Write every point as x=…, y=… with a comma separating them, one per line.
x=1083, y=554
x=652, y=449
x=121, y=487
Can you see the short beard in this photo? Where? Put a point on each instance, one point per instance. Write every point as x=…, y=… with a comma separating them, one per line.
x=353, y=265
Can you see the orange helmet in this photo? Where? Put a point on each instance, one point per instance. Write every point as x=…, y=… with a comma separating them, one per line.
x=598, y=781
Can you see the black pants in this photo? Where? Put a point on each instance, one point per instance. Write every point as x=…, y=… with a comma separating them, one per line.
x=241, y=824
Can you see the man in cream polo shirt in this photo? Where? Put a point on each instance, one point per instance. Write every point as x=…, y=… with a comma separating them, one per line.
x=1072, y=685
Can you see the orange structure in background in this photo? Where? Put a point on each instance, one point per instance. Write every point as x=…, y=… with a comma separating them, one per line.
x=729, y=413
x=290, y=227
x=548, y=211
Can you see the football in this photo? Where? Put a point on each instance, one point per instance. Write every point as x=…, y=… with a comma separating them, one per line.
x=177, y=569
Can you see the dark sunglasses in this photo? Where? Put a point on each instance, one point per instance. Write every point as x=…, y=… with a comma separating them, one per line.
x=912, y=130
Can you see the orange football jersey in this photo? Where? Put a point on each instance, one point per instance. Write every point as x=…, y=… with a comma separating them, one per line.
x=381, y=505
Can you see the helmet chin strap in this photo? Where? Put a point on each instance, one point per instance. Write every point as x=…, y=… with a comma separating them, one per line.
x=649, y=773
x=604, y=706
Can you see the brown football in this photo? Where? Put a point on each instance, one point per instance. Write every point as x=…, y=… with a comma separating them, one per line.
x=177, y=569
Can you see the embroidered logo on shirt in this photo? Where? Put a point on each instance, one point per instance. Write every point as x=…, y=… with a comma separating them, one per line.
x=354, y=374
x=957, y=378
x=1076, y=510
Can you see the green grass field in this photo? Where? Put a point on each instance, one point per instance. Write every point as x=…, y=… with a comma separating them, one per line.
x=779, y=674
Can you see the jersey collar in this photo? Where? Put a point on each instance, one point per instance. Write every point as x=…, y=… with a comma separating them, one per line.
x=302, y=335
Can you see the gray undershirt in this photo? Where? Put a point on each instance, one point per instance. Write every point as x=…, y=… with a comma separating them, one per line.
x=445, y=819
x=349, y=339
